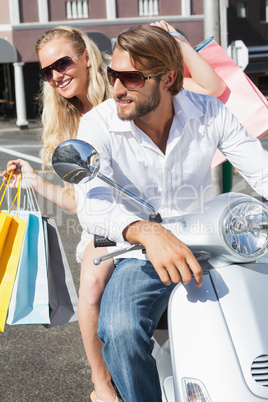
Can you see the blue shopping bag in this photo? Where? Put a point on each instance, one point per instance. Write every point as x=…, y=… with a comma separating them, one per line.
x=29, y=301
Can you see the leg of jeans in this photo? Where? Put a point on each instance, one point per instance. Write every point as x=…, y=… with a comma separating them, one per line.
x=132, y=305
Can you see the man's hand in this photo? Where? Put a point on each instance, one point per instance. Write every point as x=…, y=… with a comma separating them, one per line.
x=171, y=258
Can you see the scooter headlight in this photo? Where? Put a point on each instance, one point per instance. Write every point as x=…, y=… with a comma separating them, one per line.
x=245, y=229
x=194, y=391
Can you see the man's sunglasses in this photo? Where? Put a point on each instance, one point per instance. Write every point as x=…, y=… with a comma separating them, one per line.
x=130, y=79
x=60, y=66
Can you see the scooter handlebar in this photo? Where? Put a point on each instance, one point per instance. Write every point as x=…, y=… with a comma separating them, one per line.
x=100, y=241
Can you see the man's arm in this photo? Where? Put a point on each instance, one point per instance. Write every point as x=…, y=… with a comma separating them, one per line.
x=245, y=153
x=171, y=258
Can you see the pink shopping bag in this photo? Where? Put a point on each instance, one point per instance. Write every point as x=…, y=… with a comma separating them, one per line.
x=241, y=96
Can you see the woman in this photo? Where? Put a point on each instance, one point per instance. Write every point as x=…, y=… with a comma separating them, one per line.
x=75, y=81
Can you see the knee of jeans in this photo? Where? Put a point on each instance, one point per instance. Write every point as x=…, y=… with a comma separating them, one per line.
x=124, y=329
x=115, y=326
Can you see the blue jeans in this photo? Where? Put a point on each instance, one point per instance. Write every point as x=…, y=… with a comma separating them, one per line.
x=132, y=304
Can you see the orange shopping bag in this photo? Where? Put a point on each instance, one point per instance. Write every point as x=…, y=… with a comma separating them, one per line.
x=13, y=229
x=5, y=221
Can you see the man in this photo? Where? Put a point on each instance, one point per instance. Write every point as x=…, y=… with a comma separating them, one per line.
x=158, y=141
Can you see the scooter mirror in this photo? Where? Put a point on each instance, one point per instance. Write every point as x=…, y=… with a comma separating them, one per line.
x=73, y=160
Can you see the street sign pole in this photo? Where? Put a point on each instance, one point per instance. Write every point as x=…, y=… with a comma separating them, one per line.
x=211, y=28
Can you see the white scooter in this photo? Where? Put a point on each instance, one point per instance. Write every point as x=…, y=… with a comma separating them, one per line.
x=216, y=345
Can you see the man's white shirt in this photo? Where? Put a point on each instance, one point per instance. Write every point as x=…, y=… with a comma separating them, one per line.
x=176, y=182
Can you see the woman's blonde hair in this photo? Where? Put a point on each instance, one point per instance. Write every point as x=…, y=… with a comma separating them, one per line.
x=61, y=116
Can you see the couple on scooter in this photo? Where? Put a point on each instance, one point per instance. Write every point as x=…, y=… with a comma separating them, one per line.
x=158, y=140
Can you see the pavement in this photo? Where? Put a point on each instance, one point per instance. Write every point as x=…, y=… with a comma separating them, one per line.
x=39, y=364
x=8, y=124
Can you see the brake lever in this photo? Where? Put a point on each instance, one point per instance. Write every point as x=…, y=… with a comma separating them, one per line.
x=104, y=257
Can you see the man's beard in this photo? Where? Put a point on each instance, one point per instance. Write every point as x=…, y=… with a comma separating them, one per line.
x=143, y=108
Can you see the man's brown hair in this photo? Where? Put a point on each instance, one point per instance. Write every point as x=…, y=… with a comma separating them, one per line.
x=153, y=49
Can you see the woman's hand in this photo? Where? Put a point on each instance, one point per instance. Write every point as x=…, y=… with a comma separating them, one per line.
x=14, y=168
x=169, y=28
x=53, y=193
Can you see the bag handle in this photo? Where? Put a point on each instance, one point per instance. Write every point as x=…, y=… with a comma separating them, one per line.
x=6, y=187
x=17, y=196
x=30, y=194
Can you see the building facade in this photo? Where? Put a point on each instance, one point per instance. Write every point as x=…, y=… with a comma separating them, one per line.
x=23, y=21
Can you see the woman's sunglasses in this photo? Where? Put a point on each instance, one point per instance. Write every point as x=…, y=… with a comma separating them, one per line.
x=130, y=79
x=60, y=66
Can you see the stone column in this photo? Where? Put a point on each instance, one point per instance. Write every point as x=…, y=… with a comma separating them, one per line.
x=20, y=96
x=14, y=12
x=186, y=8
x=110, y=9
x=43, y=11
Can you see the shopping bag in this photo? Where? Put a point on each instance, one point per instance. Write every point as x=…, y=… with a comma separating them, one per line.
x=241, y=96
x=44, y=286
x=9, y=263
x=62, y=293
x=29, y=300
x=5, y=221
x=12, y=229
